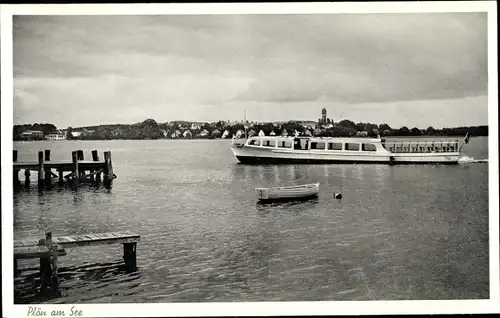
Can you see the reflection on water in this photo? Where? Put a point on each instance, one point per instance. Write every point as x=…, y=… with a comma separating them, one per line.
x=397, y=233
x=263, y=206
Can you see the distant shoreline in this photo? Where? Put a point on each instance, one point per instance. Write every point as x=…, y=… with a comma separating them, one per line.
x=229, y=139
x=150, y=129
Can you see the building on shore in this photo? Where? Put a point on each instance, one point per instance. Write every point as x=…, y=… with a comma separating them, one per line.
x=203, y=133
x=187, y=134
x=240, y=133
x=361, y=134
x=32, y=135
x=216, y=133
x=55, y=136
x=225, y=134
x=174, y=134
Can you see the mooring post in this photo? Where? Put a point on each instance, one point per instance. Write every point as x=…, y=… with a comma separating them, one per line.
x=41, y=170
x=15, y=176
x=45, y=267
x=61, y=176
x=80, y=158
x=95, y=157
x=54, y=279
x=108, y=168
x=48, y=172
x=130, y=256
x=74, y=167
x=27, y=178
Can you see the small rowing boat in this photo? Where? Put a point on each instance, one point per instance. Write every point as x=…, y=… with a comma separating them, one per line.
x=288, y=193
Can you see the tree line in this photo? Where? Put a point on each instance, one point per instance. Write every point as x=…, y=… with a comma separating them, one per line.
x=150, y=129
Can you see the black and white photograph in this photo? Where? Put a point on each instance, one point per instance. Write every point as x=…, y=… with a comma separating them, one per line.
x=249, y=159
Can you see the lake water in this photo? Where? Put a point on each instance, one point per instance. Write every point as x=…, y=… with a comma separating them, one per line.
x=399, y=233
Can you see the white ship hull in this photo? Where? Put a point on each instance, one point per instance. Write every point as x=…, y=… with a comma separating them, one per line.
x=257, y=154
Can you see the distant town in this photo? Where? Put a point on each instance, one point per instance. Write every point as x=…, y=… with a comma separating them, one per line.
x=150, y=129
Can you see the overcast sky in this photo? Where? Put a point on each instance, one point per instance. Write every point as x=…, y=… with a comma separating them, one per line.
x=403, y=69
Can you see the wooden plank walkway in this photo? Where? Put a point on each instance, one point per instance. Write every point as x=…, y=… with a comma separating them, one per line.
x=48, y=250
x=87, y=239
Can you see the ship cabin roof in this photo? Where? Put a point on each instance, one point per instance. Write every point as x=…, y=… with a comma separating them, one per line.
x=337, y=139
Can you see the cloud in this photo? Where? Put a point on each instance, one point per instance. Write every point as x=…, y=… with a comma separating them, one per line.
x=199, y=65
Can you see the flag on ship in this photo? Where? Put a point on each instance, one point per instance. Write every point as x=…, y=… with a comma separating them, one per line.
x=466, y=139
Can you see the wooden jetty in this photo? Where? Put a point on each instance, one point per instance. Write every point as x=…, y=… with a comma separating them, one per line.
x=79, y=169
x=49, y=249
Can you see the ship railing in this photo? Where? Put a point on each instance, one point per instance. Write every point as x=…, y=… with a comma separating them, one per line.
x=421, y=146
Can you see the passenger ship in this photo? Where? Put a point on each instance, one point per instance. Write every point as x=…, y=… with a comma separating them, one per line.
x=267, y=149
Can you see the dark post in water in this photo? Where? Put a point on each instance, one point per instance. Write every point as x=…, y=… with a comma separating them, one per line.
x=74, y=167
x=27, y=178
x=48, y=172
x=48, y=268
x=130, y=256
x=41, y=170
x=15, y=176
x=95, y=157
x=61, y=176
x=108, y=168
x=80, y=158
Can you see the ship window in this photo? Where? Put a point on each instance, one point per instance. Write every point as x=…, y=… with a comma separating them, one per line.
x=268, y=143
x=318, y=145
x=285, y=144
x=369, y=147
x=352, y=146
x=334, y=146
x=254, y=142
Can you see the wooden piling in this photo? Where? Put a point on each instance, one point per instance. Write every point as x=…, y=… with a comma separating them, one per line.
x=16, y=272
x=27, y=178
x=53, y=261
x=47, y=154
x=81, y=158
x=74, y=167
x=41, y=170
x=95, y=157
x=45, y=268
x=15, y=176
x=48, y=172
x=49, y=281
x=61, y=176
x=108, y=168
x=130, y=256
